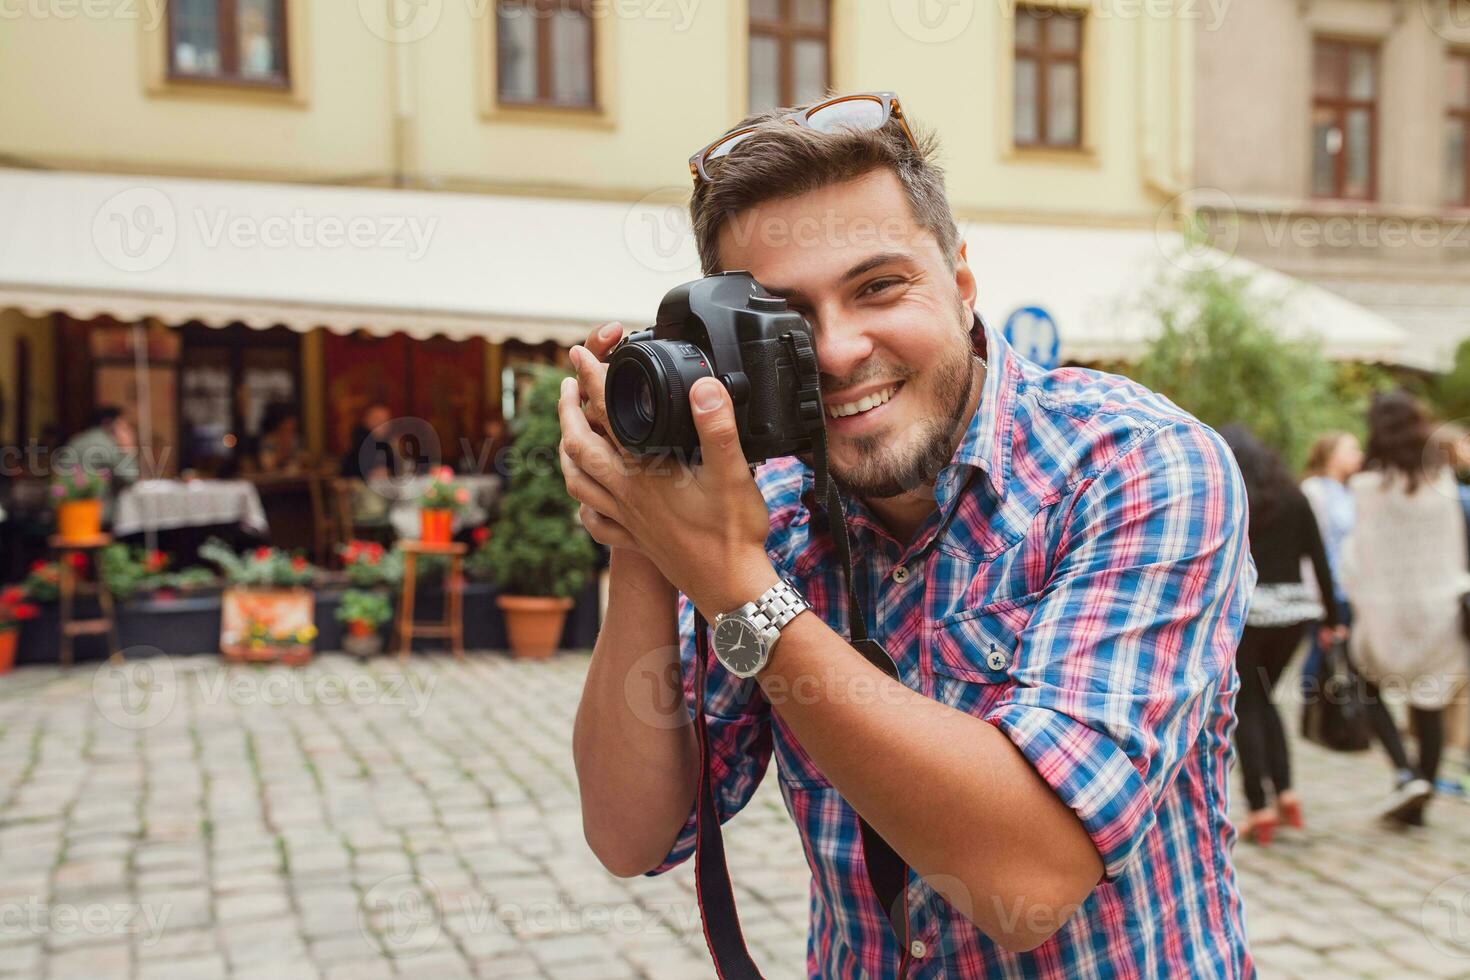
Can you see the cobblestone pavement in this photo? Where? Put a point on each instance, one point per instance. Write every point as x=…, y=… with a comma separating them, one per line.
x=176, y=818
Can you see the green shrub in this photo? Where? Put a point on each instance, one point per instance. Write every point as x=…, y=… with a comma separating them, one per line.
x=1219, y=355
x=538, y=547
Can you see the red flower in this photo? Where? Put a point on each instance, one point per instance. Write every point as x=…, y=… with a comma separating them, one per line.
x=155, y=561
x=298, y=564
x=481, y=535
x=39, y=565
x=262, y=554
x=78, y=561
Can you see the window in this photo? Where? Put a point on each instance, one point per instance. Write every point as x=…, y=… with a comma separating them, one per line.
x=1048, y=78
x=1345, y=120
x=789, y=52
x=544, y=52
x=1457, y=130
x=241, y=42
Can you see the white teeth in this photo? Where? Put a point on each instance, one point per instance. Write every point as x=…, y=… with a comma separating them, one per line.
x=862, y=404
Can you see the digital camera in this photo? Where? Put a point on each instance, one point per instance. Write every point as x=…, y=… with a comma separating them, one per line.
x=725, y=326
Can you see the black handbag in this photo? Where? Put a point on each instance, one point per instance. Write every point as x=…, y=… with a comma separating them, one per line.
x=1333, y=715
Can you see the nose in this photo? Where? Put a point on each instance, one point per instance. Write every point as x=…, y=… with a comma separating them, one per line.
x=841, y=349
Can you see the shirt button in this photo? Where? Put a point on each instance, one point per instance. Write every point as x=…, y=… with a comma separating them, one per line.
x=917, y=949
x=995, y=660
x=901, y=574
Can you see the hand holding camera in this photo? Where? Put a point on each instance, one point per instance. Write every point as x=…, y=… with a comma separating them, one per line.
x=714, y=385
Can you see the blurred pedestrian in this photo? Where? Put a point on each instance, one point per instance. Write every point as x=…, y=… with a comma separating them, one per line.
x=1333, y=458
x=1283, y=531
x=370, y=454
x=1405, y=564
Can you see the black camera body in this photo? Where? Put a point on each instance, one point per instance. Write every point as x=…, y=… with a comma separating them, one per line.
x=725, y=326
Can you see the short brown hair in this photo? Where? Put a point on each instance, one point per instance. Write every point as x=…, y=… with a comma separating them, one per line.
x=780, y=160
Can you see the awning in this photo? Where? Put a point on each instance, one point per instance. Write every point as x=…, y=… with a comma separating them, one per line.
x=500, y=267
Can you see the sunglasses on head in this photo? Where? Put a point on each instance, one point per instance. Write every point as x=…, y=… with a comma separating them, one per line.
x=862, y=112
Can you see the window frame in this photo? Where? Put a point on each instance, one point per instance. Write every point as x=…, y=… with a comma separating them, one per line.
x=1043, y=57
x=786, y=31
x=545, y=80
x=1463, y=115
x=226, y=13
x=1341, y=104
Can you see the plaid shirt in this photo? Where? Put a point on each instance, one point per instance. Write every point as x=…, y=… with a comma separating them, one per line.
x=1086, y=600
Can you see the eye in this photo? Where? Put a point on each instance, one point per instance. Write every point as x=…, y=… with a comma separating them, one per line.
x=880, y=285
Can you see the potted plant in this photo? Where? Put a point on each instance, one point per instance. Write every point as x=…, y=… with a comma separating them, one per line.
x=368, y=564
x=267, y=613
x=14, y=609
x=363, y=613
x=539, y=555
x=129, y=572
x=440, y=502
x=77, y=495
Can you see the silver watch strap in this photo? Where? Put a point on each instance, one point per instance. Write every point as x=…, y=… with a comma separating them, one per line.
x=779, y=605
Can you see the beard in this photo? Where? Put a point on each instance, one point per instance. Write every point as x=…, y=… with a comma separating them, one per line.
x=885, y=470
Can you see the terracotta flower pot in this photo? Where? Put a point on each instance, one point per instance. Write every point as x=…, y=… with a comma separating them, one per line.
x=368, y=645
x=436, y=526
x=361, y=628
x=534, y=624
x=8, y=638
x=79, y=520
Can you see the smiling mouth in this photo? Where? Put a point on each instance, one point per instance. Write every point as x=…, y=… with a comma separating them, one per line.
x=865, y=404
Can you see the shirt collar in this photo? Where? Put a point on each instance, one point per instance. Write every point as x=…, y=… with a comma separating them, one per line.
x=987, y=440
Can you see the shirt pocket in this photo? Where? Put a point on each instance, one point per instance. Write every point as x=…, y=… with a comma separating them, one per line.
x=973, y=654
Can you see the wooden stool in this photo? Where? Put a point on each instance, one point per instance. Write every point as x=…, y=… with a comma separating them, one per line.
x=70, y=587
x=452, y=626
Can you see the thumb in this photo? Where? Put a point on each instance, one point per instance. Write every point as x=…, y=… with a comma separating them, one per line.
x=714, y=419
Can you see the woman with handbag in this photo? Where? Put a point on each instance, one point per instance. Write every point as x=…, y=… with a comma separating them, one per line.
x=1405, y=567
x=1333, y=458
x=1283, y=531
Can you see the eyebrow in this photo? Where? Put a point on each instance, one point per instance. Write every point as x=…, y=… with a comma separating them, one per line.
x=866, y=265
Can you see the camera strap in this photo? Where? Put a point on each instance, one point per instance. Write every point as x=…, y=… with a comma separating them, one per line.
x=887, y=873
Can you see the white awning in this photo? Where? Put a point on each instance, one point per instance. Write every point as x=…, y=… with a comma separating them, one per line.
x=460, y=265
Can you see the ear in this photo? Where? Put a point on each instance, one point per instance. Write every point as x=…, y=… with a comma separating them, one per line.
x=964, y=279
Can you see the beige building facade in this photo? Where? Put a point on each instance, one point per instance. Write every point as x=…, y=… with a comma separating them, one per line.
x=187, y=164
x=1331, y=144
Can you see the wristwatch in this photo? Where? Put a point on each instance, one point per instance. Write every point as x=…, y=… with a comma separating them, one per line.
x=743, y=639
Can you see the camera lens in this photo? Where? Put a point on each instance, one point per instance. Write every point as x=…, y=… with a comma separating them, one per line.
x=647, y=393
x=645, y=399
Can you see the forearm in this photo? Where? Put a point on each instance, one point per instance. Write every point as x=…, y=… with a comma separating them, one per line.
x=950, y=792
x=634, y=749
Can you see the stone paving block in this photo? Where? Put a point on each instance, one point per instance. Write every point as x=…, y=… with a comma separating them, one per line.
x=201, y=968
x=87, y=962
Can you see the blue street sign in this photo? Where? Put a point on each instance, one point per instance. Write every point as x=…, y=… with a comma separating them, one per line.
x=1033, y=333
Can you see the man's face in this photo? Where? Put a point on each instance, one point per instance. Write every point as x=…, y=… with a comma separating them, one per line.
x=376, y=417
x=892, y=322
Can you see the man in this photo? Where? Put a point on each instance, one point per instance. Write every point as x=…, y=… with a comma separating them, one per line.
x=369, y=455
x=107, y=445
x=1056, y=562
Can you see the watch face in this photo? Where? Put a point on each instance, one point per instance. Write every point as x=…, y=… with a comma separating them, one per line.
x=739, y=647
